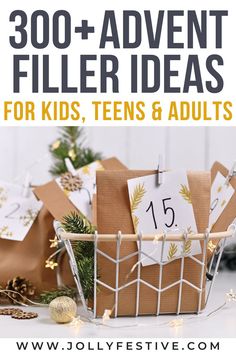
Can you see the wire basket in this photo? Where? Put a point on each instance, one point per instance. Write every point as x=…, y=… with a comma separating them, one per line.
x=212, y=243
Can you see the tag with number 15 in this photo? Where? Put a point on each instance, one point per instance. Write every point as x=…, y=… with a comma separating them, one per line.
x=167, y=207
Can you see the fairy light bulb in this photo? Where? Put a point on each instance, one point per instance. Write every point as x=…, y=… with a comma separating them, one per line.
x=176, y=323
x=77, y=323
x=72, y=154
x=55, y=145
x=231, y=296
x=106, y=315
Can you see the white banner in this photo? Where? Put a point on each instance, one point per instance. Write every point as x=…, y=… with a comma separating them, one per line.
x=125, y=63
x=118, y=345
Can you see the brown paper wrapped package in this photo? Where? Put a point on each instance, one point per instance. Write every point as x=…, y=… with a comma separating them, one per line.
x=113, y=214
x=27, y=258
x=59, y=205
x=55, y=199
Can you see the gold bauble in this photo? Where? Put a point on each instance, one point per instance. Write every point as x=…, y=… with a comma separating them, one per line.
x=62, y=309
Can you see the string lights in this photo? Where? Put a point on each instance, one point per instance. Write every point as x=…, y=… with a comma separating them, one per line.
x=55, y=145
x=77, y=322
x=231, y=296
x=176, y=323
x=106, y=315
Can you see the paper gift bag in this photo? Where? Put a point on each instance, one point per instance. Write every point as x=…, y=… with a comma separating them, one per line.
x=59, y=205
x=56, y=200
x=113, y=214
x=228, y=214
x=27, y=258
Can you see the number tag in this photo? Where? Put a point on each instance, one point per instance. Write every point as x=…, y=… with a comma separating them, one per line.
x=83, y=195
x=166, y=207
x=17, y=213
x=221, y=194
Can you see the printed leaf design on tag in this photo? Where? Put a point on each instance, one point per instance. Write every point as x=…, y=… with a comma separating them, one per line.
x=29, y=217
x=187, y=247
x=219, y=189
x=137, y=196
x=185, y=193
x=5, y=232
x=172, y=251
x=135, y=222
x=86, y=170
x=189, y=230
x=211, y=246
x=223, y=203
x=188, y=244
x=3, y=196
x=66, y=192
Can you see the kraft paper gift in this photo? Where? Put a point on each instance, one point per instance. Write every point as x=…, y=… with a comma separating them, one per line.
x=59, y=205
x=57, y=202
x=27, y=258
x=113, y=214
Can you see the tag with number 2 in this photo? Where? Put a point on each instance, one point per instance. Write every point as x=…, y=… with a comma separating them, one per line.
x=17, y=213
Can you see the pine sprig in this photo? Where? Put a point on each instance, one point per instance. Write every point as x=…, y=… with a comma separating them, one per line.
x=77, y=224
x=83, y=251
x=47, y=296
x=70, y=144
x=72, y=134
x=86, y=273
x=137, y=196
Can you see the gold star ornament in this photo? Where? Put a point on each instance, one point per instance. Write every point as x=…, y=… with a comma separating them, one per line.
x=54, y=242
x=51, y=264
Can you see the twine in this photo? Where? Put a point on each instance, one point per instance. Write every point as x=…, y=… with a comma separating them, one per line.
x=5, y=292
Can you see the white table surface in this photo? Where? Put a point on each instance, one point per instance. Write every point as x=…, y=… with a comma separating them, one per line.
x=222, y=324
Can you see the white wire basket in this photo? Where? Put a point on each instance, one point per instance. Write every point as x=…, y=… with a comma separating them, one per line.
x=208, y=267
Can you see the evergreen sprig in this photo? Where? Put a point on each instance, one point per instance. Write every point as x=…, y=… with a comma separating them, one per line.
x=70, y=144
x=47, y=296
x=83, y=251
x=76, y=223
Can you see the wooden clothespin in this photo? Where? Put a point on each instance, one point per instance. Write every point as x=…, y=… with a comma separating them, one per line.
x=160, y=169
x=26, y=185
x=70, y=167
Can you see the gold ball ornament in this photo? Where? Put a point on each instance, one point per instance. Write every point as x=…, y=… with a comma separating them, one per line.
x=62, y=309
